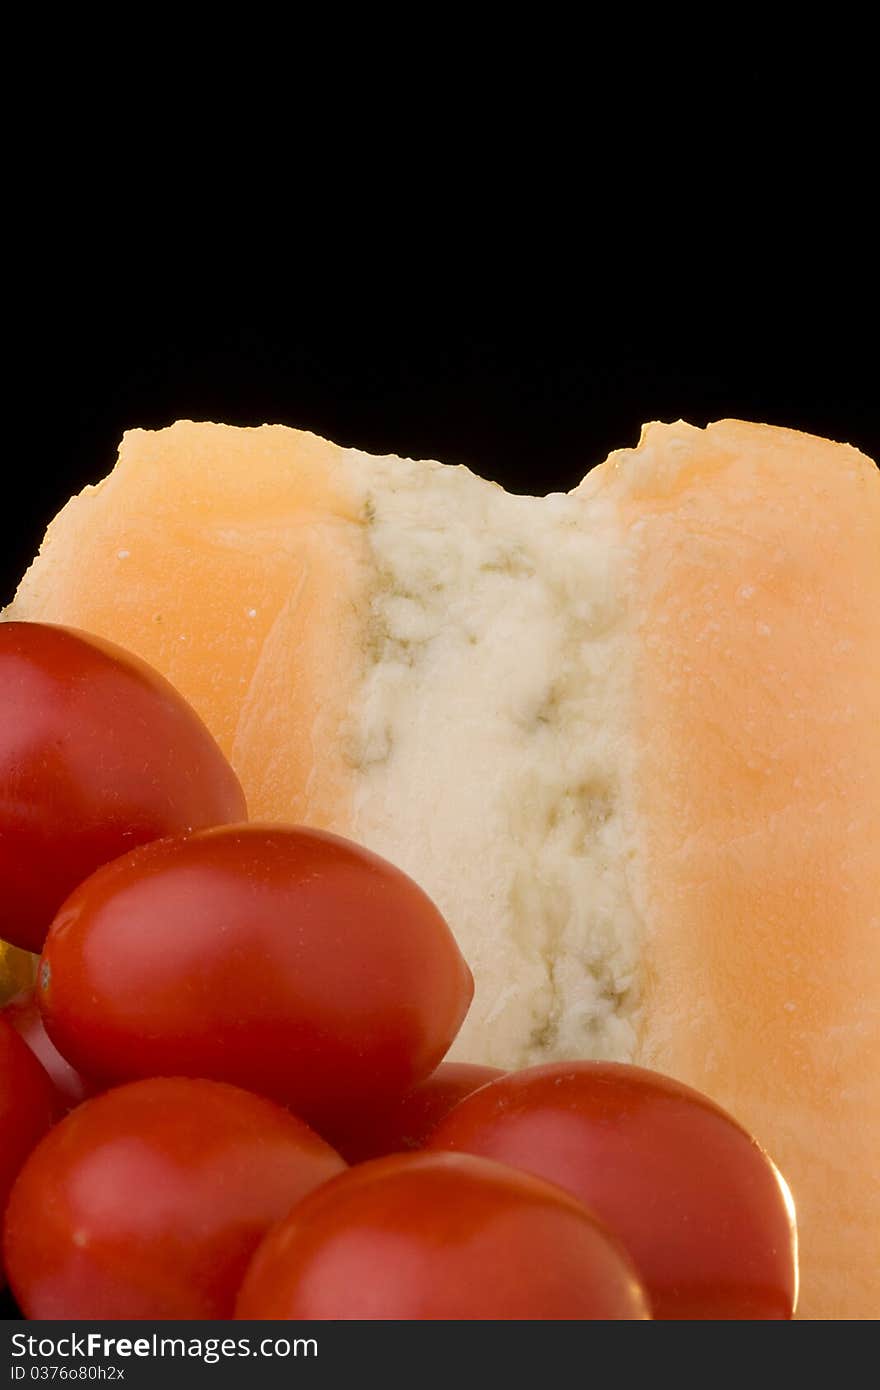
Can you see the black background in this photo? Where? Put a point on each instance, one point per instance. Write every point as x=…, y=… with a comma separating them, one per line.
x=532, y=401
x=511, y=261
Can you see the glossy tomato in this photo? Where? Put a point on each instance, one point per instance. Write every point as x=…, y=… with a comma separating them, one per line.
x=148, y=1202
x=429, y=1236
x=23, y=1013
x=29, y=1104
x=407, y=1124
x=289, y=961
x=698, y=1204
x=98, y=753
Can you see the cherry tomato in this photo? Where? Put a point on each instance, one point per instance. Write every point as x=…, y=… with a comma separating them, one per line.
x=98, y=753
x=698, y=1204
x=407, y=1124
x=431, y=1236
x=148, y=1201
x=29, y=1104
x=289, y=961
x=23, y=1013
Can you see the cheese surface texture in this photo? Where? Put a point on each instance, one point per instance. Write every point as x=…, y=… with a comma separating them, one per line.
x=628, y=738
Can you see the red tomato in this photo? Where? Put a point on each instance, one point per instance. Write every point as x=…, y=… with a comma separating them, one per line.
x=98, y=753
x=23, y=1013
x=431, y=1236
x=289, y=961
x=700, y=1207
x=28, y=1105
x=149, y=1201
x=407, y=1124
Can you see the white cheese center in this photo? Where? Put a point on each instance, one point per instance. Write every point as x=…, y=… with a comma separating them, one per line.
x=491, y=741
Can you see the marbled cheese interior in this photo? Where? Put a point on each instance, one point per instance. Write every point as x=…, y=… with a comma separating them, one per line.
x=495, y=674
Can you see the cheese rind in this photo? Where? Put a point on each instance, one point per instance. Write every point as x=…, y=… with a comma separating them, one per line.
x=758, y=698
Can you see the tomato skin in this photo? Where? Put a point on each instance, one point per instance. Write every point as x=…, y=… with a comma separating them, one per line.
x=148, y=1201
x=408, y=1123
x=439, y=1236
x=29, y=1105
x=288, y=961
x=23, y=1013
x=98, y=753
x=698, y=1204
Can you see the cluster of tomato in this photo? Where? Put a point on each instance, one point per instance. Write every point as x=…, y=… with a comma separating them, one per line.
x=225, y=1095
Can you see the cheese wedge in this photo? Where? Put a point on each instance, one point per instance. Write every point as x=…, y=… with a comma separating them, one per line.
x=17, y=971
x=628, y=738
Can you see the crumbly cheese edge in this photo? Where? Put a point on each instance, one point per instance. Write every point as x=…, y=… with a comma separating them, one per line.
x=492, y=747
